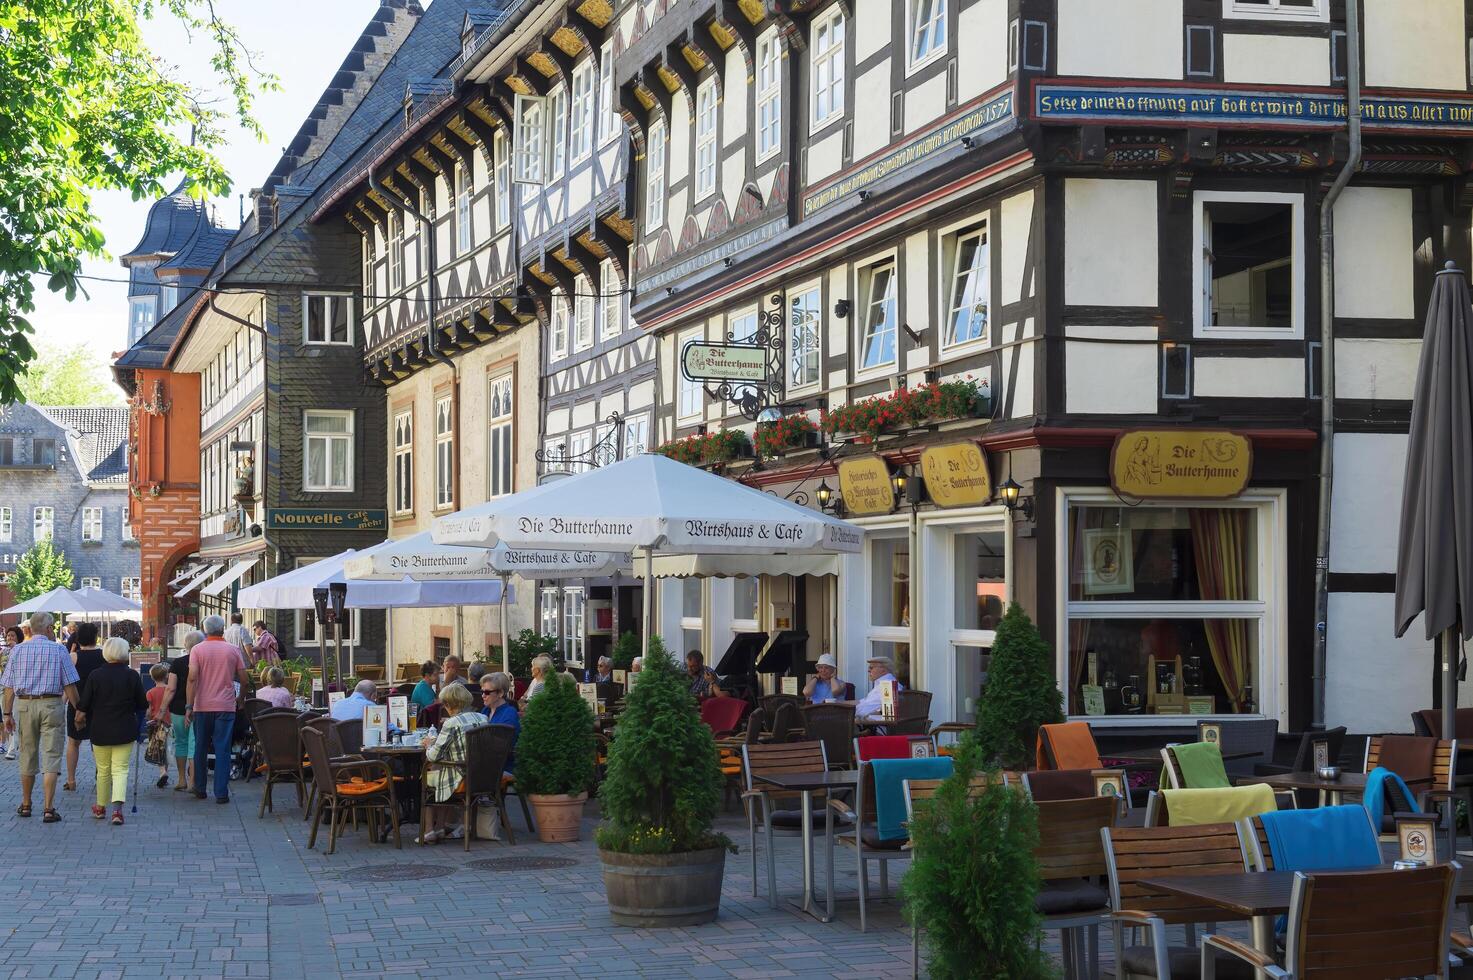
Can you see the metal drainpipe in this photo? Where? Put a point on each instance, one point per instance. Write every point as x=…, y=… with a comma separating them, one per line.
x=1327, y=358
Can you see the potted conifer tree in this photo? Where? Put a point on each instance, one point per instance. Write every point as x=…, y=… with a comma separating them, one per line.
x=1021, y=693
x=662, y=864
x=555, y=758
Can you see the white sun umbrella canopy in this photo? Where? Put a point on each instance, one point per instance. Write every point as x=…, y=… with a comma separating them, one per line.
x=293, y=589
x=419, y=558
x=651, y=504
x=58, y=600
x=102, y=602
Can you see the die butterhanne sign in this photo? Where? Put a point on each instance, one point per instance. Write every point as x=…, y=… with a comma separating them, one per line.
x=1199, y=463
x=747, y=363
x=325, y=519
x=956, y=475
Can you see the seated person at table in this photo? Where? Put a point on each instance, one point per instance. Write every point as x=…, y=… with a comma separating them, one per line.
x=452, y=673
x=825, y=685
x=351, y=707
x=475, y=673
x=497, y=708
x=275, y=691
x=637, y=665
x=424, y=691
x=448, y=747
x=880, y=669
x=541, y=671
x=604, y=673
x=703, y=680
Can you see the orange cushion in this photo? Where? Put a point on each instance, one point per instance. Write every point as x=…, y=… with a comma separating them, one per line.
x=507, y=779
x=1071, y=744
x=357, y=786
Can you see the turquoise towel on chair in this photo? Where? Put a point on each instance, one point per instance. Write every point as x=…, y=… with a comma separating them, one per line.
x=1329, y=838
x=890, y=777
x=1374, y=798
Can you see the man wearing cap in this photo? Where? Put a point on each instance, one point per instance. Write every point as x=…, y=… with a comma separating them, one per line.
x=880, y=669
x=825, y=685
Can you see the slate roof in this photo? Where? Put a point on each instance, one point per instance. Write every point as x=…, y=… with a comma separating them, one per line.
x=171, y=223
x=99, y=438
x=202, y=250
x=152, y=349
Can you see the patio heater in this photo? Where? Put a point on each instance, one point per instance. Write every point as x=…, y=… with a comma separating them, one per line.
x=324, y=616
x=338, y=593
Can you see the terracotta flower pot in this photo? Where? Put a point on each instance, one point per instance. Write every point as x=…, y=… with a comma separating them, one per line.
x=559, y=816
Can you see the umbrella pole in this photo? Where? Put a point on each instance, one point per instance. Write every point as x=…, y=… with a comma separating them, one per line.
x=505, y=634
x=649, y=586
x=1450, y=658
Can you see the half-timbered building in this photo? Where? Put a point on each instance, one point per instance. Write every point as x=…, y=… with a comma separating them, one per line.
x=1106, y=217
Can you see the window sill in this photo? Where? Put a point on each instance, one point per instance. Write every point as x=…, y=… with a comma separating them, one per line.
x=327, y=490
x=1248, y=333
x=912, y=67
x=966, y=347
x=877, y=373
x=817, y=127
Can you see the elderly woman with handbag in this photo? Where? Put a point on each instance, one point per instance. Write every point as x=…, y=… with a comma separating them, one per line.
x=445, y=755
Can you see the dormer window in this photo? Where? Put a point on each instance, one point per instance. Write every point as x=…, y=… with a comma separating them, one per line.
x=467, y=44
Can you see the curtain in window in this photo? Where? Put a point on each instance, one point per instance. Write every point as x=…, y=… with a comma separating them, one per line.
x=1078, y=628
x=1218, y=540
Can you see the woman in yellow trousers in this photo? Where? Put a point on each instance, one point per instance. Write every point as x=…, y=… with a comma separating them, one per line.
x=110, y=703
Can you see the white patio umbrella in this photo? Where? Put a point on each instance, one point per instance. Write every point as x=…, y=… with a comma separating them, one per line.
x=418, y=557
x=652, y=504
x=293, y=589
x=58, y=600
x=102, y=602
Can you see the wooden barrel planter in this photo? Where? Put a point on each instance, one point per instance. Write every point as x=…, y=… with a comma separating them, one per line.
x=649, y=890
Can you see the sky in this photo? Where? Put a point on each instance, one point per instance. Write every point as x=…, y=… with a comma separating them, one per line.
x=302, y=42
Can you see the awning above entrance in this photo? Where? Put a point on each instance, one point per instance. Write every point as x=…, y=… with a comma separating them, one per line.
x=186, y=571
x=198, y=580
x=236, y=572
x=740, y=566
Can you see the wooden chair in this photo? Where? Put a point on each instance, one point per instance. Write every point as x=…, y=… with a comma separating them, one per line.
x=487, y=748
x=1069, y=745
x=345, y=786
x=1133, y=854
x=1438, y=793
x=952, y=728
x=833, y=725
x=1256, y=842
x=921, y=791
x=862, y=834
x=730, y=753
x=867, y=748
x=1171, y=766
x=770, y=759
x=370, y=672
x=276, y=731
x=1071, y=858
x=1356, y=925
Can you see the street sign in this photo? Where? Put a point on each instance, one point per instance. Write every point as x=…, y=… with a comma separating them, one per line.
x=739, y=363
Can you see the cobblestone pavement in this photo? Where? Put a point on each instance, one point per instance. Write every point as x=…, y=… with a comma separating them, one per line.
x=190, y=888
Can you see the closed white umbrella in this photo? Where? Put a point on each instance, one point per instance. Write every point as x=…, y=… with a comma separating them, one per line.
x=652, y=504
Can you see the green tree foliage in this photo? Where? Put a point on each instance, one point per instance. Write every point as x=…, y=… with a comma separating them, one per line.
x=71, y=376
x=1020, y=694
x=40, y=570
x=525, y=646
x=555, y=752
x=625, y=651
x=663, y=785
x=973, y=878
x=85, y=107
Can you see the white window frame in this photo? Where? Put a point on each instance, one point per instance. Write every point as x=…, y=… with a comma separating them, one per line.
x=560, y=328
x=464, y=230
x=609, y=121
x=142, y=314
x=331, y=439
x=938, y=23
x=584, y=312
x=865, y=292
x=402, y=453
x=952, y=239
x=694, y=624
x=43, y=524
x=689, y=404
x=329, y=301
x=580, y=129
x=1200, y=305
x=501, y=436
x=501, y=161
x=128, y=534
x=654, y=209
x=7, y=524
x=131, y=587
x=706, y=149
x=636, y=434
x=557, y=145
x=826, y=69
x=795, y=383
x=444, y=453
x=90, y=581
x=529, y=140
x=769, y=136
x=1274, y=10
x=611, y=309
x=92, y=524
x=395, y=235
x=318, y=633
x=1270, y=609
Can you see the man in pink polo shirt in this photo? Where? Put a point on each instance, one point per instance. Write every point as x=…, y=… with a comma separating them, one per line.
x=215, y=667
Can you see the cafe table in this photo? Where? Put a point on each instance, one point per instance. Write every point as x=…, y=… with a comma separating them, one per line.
x=1258, y=895
x=408, y=758
x=806, y=784
x=1333, y=789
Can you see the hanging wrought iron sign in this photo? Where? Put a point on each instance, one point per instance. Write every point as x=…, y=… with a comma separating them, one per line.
x=747, y=370
x=608, y=449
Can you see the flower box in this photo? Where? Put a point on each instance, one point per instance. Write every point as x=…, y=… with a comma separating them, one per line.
x=909, y=408
x=785, y=435
x=721, y=446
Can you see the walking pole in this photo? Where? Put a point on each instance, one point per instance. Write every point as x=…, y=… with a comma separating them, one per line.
x=136, y=767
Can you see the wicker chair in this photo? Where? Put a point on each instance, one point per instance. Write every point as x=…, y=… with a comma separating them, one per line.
x=328, y=729
x=912, y=713
x=487, y=748
x=345, y=786
x=770, y=702
x=787, y=724
x=276, y=731
x=833, y=725
x=350, y=736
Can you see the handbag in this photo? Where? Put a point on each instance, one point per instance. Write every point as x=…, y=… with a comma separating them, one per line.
x=488, y=821
x=156, y=753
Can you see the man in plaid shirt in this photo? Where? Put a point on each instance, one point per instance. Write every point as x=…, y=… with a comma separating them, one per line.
x=39, y=673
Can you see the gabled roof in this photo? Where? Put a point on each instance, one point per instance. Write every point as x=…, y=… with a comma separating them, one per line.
x=99, y=438
x=152, y=349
